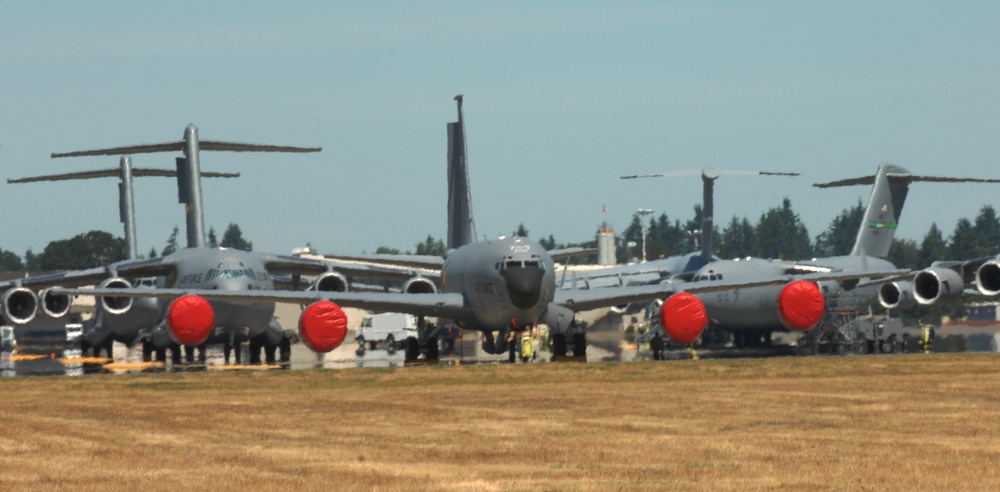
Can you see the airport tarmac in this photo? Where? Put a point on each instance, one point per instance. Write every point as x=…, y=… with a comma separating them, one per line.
x=606, y=343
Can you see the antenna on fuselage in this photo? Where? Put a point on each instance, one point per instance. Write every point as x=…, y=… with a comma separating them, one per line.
x=189, y=170
x=126, y=200
x=708, y=177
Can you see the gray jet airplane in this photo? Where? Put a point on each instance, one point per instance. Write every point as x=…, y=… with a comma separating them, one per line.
x=753, y=314
x=102, y=330
x=189, y=321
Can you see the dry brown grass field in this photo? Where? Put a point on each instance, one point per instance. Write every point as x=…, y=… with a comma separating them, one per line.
x=911, y=422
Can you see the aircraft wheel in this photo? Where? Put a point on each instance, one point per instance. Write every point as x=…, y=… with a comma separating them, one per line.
x=559, y=344
x=373, y=345
x=147, y=351
x=175, y=354
x=227, y=350
x=432, y=348
x=285, y=350
x=579, y=345
x=189, y=354
x=269, y=352
x=254, y=351
x=511, y=354
x=161, y=355
x=202, y=357
x=412, y=348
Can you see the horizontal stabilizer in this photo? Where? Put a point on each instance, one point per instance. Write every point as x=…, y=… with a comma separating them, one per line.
x=179, y=145
x=113, y=173
x=709, y=172
x=907, y=177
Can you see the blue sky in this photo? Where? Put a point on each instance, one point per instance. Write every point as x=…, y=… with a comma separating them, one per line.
x=561, y=98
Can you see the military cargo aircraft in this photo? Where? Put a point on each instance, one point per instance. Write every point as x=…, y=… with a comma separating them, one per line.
x=102, y=330
x=753, y=314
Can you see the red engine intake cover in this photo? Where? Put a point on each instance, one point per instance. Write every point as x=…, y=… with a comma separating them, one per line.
x=190, y=319
x=323, y=326
x=683, y=317
x=801, y=305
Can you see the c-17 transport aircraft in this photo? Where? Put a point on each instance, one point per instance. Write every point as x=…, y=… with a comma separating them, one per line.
x=753, y=314
x=102, y=330
x=189, y=320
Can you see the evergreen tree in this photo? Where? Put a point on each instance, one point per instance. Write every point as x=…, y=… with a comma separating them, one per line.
x=92, y=249
x=781, y=234
x=738, y=239
x=904, y=254
x=521, y=231
x=152, y=253
x=431, y=247
x=171, y=246
x=30, y=261
x=933, y=247
x=10, y=262
x=838, y=239
x=233, y=238
x=964, y=244
x=987, y=232
x=548, y=243
x=385, y=250
x=213, y=241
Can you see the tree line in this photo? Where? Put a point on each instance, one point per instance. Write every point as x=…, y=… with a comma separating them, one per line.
x=98, y=248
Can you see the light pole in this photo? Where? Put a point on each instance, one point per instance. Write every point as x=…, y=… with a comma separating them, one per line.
x=642, y=213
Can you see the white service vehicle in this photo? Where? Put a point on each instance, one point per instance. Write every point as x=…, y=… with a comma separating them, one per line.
x=389, y=329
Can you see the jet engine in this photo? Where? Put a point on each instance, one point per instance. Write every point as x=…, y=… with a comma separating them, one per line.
x=19, y=305
x=935, y=283
x=112, y=304
x=330, y=282
x=896, y=295
x=801, y=305
x=419, y=285
x=54, y=305
x=683, y=317
x=190, y=319
x=988, y=278
x=323, y=326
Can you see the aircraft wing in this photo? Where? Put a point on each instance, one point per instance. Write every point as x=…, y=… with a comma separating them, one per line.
x=292, y=265
x=561, y=254
x=155, y=267
x=426, y=262
x=450, y=305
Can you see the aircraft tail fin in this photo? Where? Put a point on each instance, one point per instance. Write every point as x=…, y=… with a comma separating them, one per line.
x=461, y=228
x=890, y=185
x=189, y=170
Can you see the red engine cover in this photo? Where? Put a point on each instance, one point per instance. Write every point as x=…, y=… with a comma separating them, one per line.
x=801, y=305
x=683, y=317
x=190, y=319
x=323, y=326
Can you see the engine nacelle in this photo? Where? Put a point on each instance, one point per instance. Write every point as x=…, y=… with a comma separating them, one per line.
x=801, y=305
x=419, y=285
x=330, y=282
x=190, y=319
x=54, y=305
x=19, y=305
x=935, y=283
x=112, y=304
x=323, y=326
x=896, y=295
x=988, y=278
x=683, y=317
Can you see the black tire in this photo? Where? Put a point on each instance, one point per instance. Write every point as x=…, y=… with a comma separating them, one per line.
x=432, y=348
x=147, y=352
x=579, y=345
x=412, y=348
x=285, y=350
x=559, y=345
x=511, y=353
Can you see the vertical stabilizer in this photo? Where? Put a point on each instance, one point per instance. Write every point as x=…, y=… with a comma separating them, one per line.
x=461, y=228
x=126, y=207
x=707, y=210
x=878, y=227
x=889, y=187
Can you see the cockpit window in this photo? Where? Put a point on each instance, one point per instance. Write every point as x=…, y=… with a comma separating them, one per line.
x=231, y=273
x=532, y=263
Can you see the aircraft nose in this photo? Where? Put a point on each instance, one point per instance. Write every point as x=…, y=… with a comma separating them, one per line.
x=524, y=285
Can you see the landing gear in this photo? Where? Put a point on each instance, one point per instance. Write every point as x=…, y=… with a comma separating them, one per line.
x=559, y=344
x=147, y=351
x=579, y=345
x=511, y=354
x=285, y=350
x=255, y=347
x=189, y=354
x=227, y=350
x=432, y=348
x=412, y=349
x=269, y=354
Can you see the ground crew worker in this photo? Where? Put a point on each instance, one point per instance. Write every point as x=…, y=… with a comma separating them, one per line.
x=656, y=345
x=527, y=350
x=927, y=337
